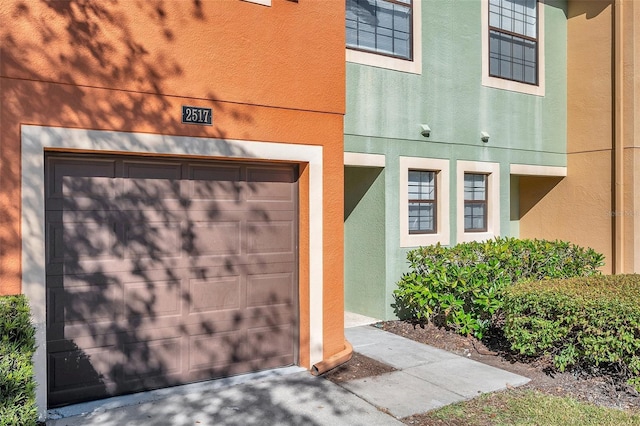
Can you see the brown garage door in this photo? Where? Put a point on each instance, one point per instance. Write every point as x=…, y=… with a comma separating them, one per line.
x=166, y=272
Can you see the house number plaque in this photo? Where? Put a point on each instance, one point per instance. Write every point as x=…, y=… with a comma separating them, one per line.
x=197, y=115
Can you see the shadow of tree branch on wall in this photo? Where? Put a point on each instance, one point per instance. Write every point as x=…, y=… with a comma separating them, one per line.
x=79, y=64
x=148, y=284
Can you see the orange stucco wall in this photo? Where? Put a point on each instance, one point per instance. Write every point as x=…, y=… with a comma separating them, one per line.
x=269, y=73
x=597, y=205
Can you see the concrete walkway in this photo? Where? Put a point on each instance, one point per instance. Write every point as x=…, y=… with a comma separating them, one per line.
x=427, y=378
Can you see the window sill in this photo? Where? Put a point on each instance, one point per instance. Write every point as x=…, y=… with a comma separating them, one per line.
x=391, y=63
x=383, y=61
x=467, y=237
x=513, y=86
x=418, y=240
x=261, y=2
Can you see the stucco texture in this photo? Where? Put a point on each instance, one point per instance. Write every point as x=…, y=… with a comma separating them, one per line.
x=385, y=108
x=597, y=204
x=365, y=253
x=269, y=74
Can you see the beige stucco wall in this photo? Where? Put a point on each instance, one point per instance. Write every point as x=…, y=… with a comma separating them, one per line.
x=597, y=204
x=631, y=134
x=578, y=208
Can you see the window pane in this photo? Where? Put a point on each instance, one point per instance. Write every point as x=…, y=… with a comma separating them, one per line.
x=506, y=23
x=517, y=71
x=512, y=57
x=475, y=216
x=475, y=186
x=494, y=19
x=517, y=16
x=422, y=217
x=531, y=17
x=380, y=26
x=422, y=185
x=467, y=219
x=384, y=42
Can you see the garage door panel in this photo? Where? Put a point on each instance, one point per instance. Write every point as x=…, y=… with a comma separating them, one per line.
x=273, y=237
x=270, y=174
x=84, y=305
x=213, y=238
x=150, y=192
x=146, y=239
x=150, y=185
x=270, y=192
x=214, y=294
x=270, y=289
x=270, y=342
x=76, y=374
x=207, y=351
x=208, y=183
x=214, y=173
x=169, y=272
x=80, y=240
x=267, y=316
x=153, y=299
x=272, y=185
x=68, y=178
x=152, y=358
x=152, y=169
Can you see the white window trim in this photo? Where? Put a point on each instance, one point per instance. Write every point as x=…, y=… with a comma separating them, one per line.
x=443, y=227
x=501, y=83
x=492, y=170
x=262, y=2
x=381, y=61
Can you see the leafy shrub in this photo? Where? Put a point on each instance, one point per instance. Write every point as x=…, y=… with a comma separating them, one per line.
x=579, y=322
x=462, y=286
x=17, y=345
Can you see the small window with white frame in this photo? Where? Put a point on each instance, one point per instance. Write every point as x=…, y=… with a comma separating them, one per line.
x=478, y=200
x=385, y=34
x=475, y=202
x=424, y=201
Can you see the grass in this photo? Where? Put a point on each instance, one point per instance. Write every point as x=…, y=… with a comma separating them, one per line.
x=525, y=407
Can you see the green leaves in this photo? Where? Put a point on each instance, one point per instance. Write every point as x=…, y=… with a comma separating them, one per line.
x=462, y=286
x=579, y=322
x=17, y=344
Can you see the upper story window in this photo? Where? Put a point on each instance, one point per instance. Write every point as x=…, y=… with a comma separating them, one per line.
x=381, y=26
x=513, y=40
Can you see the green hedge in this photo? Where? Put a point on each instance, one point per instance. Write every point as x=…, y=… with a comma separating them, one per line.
x=579, y=322
x=17, y=345
x=462, y=286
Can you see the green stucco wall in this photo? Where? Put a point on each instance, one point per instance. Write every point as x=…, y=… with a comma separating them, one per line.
x=385, y=109
x=364, y=225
